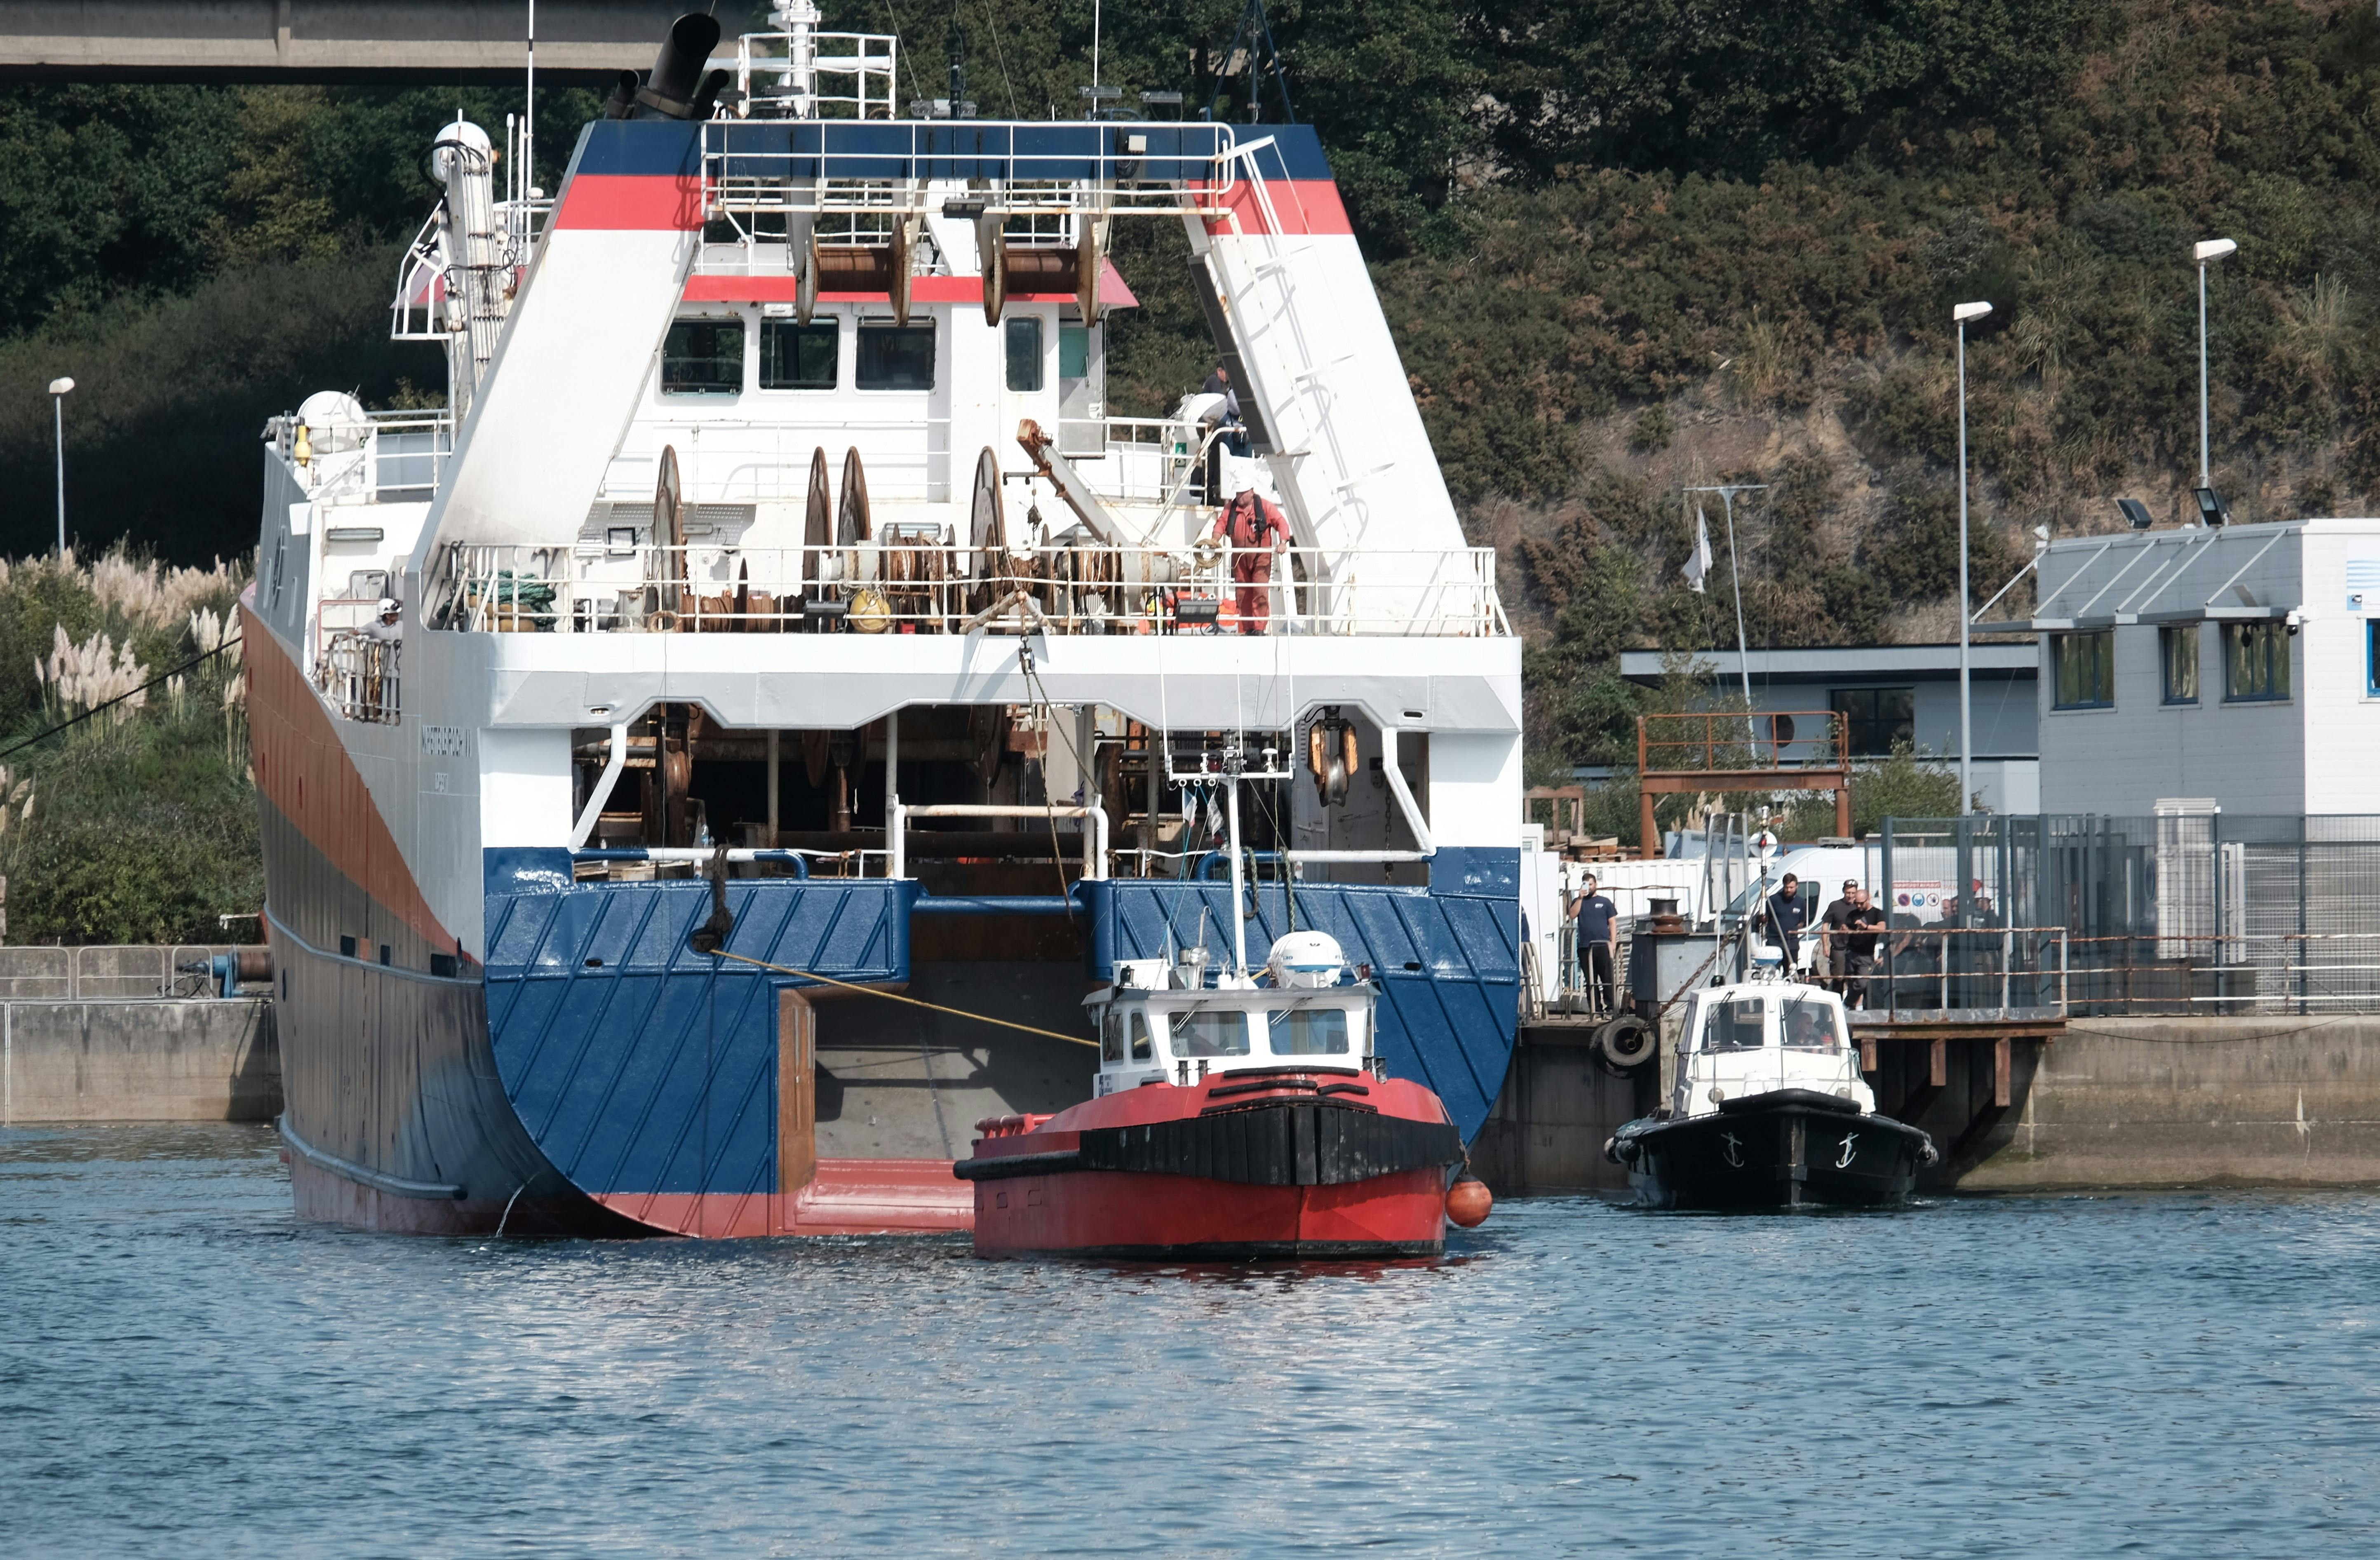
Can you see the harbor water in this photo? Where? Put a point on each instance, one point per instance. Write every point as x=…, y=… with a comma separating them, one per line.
x=187, y=1371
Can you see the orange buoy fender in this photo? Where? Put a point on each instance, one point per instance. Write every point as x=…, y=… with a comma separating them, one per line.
x=1469, y=1201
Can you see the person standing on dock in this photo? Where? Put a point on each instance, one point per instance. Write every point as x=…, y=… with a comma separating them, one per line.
x=1786, y=919
x=1834, y=944
x=1257, y=531
x=1595, y=923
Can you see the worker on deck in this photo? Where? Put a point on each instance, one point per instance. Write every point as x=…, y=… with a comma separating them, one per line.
x=1255, y=530
x=1227, y=415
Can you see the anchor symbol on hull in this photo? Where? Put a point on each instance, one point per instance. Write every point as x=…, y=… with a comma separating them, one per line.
x=1734, y=1148
x=1842, y=1161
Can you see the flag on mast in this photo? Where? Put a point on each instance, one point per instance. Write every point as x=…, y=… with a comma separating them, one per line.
x=1699, y=565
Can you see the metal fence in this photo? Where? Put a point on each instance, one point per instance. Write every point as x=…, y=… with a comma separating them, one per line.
x=2185, y=911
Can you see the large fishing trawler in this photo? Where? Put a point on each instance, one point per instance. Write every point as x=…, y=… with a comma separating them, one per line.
x=774, y=663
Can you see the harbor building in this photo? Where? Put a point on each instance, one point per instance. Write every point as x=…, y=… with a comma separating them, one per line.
x=1888, y=694
x=2234, y=665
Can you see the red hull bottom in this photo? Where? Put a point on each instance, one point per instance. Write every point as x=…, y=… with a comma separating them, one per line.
x=846, y=1196
x=1126, y=1214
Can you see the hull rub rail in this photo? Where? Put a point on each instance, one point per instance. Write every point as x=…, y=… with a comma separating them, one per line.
x=393, y=1185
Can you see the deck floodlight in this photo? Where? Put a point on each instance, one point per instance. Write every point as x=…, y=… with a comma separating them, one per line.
x=2136, y=512
x=2210, y=507
x=2209, y=250
x=1964, y=313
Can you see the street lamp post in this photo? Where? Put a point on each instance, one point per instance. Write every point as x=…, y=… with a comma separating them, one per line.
x=58, y=389
x=2205, y=253
x=1960, y=315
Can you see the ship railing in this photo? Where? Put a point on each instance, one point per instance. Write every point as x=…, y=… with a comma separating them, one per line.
x=1102, y=168
x=818, y=75
x=427, y=280
x=358, y=674
x=916, y=579
x=389, y=457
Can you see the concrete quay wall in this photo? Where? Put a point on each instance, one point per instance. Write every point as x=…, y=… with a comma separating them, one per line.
x=127, y=1059
x=2285, y=1101
x=2114, y=1104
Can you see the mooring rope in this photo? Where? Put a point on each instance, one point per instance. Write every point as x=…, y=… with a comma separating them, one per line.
x=896, y=996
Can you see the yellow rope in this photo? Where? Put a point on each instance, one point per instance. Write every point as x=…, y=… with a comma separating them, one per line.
x=913, y=1001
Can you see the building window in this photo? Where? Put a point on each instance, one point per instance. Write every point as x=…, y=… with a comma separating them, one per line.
x=896, y=358
x=1024, y=353
x=2083, y=669
x=797, y=356
x=2177, y=650
x=703, y=358
x=2256, y=662
x=1875, y=719
x=2371, y=657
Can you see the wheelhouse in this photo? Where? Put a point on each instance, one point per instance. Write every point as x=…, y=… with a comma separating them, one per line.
x=1749, y=1039
x=1184, y=1036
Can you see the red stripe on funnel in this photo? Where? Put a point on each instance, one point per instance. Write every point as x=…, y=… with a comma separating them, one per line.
x=1305, y=206
x=629, y=202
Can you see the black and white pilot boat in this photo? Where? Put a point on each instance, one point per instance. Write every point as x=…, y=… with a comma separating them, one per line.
x=1769, y=1109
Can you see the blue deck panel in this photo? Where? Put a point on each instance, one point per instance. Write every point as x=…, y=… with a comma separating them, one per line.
x=655, y=1070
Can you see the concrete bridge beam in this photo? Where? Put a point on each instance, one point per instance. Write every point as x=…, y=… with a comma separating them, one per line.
x=363, y=40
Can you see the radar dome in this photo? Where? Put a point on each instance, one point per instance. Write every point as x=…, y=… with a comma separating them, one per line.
x=1307, y=959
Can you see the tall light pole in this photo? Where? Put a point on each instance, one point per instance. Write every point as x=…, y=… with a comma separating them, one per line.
x=1960, y=315
x=58, y=389
x=2205, y=253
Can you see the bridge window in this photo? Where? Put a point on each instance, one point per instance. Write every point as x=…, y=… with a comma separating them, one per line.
x=1210, y=1034
x=1874, y=719
x=797, y=356
x=896, y=358
x=1112, y=1036
x=1310, y=1032
x=2083, y=669
x=1734, y=1025
x=1811, y=1025
x=1024, y=335
x=2256, y=662
x=703, y=358
x=1140, y=1046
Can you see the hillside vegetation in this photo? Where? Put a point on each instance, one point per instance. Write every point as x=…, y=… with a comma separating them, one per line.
x=1627, y=246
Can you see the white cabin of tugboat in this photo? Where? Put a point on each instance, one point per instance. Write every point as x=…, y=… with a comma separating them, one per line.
x=1185, y=1020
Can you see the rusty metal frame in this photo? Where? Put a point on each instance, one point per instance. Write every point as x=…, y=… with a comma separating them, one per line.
x=1830, y=771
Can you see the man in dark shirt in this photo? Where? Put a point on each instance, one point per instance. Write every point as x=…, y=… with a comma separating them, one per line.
x=1859, y=970
x=1833, y=942
x=1597, y=920
x=1786, y=919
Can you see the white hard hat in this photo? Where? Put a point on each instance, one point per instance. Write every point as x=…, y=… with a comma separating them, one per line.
x=387, y=606
x=1243, y=482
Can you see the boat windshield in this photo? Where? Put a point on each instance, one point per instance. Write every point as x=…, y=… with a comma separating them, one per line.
x=1310, y=1032
x=1210, y=1033
x=1812, y=1025
x=1734, y=1025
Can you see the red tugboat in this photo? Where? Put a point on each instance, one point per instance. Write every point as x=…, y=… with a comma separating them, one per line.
x=1233, y=1117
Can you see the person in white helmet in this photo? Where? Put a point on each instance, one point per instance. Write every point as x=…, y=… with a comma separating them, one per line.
x=386, y=626
x=1257, y=531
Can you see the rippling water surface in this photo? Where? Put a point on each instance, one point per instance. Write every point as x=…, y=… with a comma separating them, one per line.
x=184, y=1370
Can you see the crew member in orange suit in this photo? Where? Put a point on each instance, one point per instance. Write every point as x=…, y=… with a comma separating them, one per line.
x=1257, y=531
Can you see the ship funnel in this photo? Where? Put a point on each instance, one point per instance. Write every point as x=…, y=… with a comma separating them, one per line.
x=676, y=85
